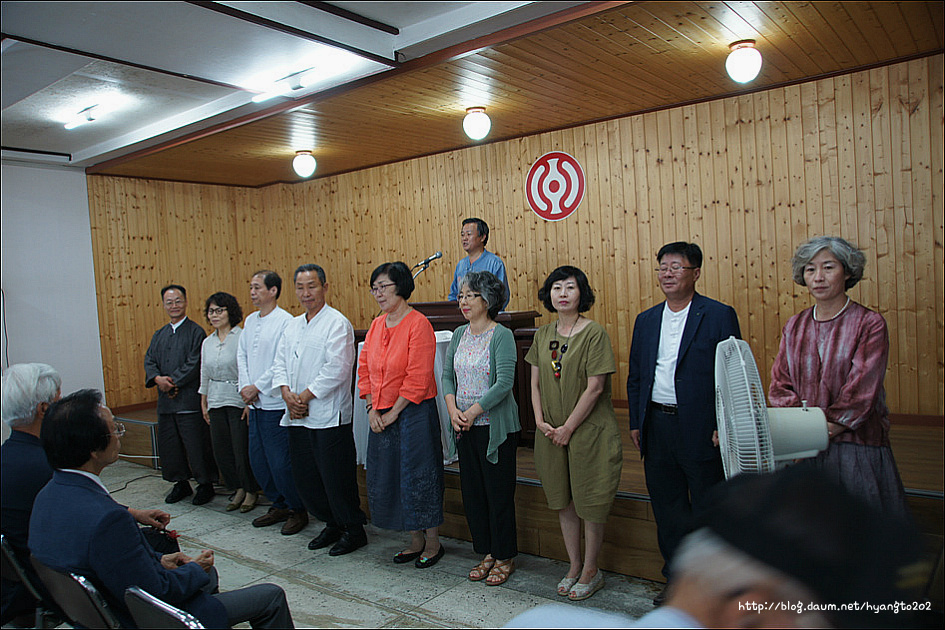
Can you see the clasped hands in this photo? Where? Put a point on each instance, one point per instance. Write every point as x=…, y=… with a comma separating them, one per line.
x=204, y=560
x=559, y=436
x=166, y=384
x=379, y=421
x=297, y=404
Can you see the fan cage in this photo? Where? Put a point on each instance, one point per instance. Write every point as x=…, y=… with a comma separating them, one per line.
x=741, y=411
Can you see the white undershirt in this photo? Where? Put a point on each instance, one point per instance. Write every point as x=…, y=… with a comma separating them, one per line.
x=671, y=330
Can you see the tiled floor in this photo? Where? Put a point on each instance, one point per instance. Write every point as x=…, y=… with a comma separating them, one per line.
x=363, y=589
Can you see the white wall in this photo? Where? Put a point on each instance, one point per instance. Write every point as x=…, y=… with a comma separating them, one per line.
x=46, y=270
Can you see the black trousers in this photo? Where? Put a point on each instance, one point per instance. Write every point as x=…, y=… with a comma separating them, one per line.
x=184, y=447
x=677, y=484
x=489, y=493
x=229, y=434
x=325, y=471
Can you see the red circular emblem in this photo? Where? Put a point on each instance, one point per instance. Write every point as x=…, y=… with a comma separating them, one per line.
x=554, y=186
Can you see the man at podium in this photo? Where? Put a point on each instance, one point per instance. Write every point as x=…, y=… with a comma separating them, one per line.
x=474, y=236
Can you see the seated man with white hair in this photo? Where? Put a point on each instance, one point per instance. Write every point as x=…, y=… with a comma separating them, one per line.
x=790, y=549
x=27, y=391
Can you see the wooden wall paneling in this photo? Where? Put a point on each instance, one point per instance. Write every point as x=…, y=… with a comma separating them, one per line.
x=886, y=255
x=716, y=275
x=796, y=220
x=744, y=177
x=702, y=220
x=737, y=256
x=644, y=210
x=864, y=215
x=937, y=224
x=904, y=228
x=921, y=185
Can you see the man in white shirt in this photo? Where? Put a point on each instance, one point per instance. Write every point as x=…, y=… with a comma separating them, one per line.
x=268, y=440
x=313, y=369
x=671, y=394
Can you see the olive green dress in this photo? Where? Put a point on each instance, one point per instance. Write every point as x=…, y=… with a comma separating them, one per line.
x=587, y=470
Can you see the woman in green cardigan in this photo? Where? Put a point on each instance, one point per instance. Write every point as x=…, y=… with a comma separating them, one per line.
x=477, y=381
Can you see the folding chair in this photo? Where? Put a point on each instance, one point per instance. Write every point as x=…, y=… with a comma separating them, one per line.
x=14, y=571
x=77, y=597
x=150, y=612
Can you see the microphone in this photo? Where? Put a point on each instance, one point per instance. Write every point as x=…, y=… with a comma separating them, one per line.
x=427, y=261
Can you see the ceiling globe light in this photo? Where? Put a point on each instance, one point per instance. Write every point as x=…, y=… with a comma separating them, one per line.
x=304, y=163
x=477, y=124
x=744, y=62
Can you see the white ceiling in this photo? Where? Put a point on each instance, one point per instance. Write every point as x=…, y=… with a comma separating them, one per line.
x=165, y=69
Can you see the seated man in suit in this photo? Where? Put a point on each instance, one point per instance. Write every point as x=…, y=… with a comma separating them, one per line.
x=76, y=526
x=27, y=391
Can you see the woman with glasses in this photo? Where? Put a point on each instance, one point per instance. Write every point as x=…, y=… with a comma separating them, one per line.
x=833, y=355
x=404, y=459
x=220, y=400
x=577, y=443
x=478, y=374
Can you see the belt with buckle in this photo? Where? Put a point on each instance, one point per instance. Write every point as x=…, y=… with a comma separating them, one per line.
x=668, y=409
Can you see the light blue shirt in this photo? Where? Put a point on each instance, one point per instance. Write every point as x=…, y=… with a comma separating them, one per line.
x=486, y=262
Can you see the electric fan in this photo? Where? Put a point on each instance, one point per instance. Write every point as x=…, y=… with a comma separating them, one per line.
x=753, y=437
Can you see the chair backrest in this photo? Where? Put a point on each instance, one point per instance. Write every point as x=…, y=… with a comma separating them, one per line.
x=14, y=571
x=77, y=597
x=150, y=612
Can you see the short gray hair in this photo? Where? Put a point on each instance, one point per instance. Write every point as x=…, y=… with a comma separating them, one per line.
x=849, y=255
x=489, y=287
x=24, y=386
x=722, y=569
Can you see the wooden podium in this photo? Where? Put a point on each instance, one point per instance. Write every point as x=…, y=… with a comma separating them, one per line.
x=447, y=316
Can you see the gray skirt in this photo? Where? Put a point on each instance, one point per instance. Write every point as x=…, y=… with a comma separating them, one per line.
x=868, y=472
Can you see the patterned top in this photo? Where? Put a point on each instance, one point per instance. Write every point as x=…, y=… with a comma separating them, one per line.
x=839, y=366
x=471, y=363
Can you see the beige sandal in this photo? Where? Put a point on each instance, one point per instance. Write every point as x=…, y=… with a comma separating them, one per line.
x=500, y=572
x=481, y=570
x=249, y=502
x=236, y=500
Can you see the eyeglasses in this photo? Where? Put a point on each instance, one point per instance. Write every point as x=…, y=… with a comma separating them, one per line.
x=216, y=311
x=177, y=302
x=674, y=268
x=376, y=290
x=119, y=430
x=465, y=297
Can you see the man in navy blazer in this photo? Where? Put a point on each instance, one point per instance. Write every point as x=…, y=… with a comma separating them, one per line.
x=671, y=391
x=76, y=526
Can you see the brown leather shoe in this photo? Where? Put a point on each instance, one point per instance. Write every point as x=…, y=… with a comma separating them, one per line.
x=296, y=522
x=273, y=516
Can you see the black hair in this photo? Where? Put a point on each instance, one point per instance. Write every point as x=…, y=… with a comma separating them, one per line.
x=177, y=287
x=230, y=303
x=399, y=274
x=481, y=226
x=311, y=267
x=690, y=251
x=563, y=273
x=270, y=279
x=73, y=429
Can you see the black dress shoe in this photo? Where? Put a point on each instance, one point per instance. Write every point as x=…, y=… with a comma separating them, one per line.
x=424, y=563
x=181, y=489
x=205, y=492
x=328, y=536
x=349, y=542
x=404, y=558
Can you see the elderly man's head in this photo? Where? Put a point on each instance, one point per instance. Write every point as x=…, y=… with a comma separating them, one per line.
x=27, y=391
x=79, y=429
